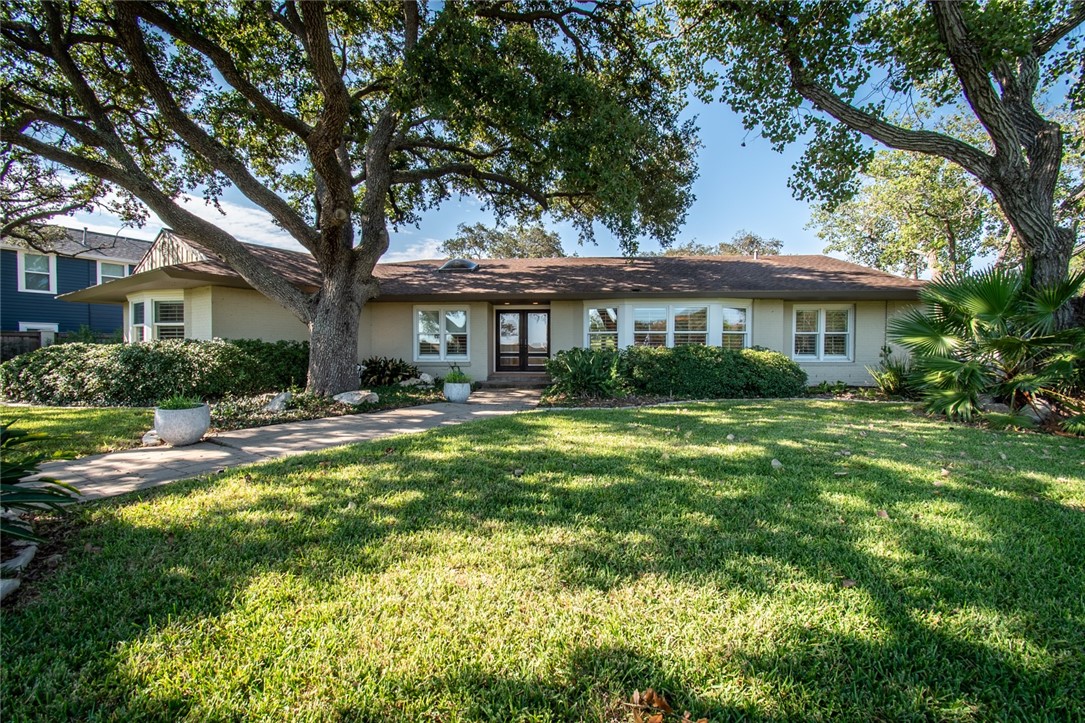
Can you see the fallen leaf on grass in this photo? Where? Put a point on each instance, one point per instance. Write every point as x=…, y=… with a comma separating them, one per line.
x=777, y=464
x=841, y=473
x=945, y=472
x=883, y=514
x=847, y=582
x=93, y=549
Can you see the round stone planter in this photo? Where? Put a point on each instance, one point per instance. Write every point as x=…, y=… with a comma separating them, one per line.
x=179, y=427
x=457, y=393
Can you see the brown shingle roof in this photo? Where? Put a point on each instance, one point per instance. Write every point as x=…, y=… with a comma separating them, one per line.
x=801, y=276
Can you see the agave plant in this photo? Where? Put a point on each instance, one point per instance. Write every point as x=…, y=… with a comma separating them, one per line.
x=990, y=333
x=17, y=493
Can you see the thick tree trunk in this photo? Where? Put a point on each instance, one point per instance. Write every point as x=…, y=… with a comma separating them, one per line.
x=333, y=331
x=1046, y=246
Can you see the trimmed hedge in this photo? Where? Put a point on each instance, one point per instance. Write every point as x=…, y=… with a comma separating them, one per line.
x=139, y=375
x=691, y=371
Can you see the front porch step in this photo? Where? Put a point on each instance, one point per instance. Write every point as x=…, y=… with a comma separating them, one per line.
x=515, y=380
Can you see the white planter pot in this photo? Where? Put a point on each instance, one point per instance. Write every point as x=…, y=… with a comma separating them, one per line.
x=457, y=393
x=179, y=427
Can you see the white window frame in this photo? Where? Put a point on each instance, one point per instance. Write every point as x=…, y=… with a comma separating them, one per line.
x=154, y=324
x=442, y=334
x=668, y=314
x=38, y=326
x=617, y=333
x=21, y=269
x=747, y=312
x=627, y=310
x=672, y=330
x=821, y=356
x=124, y=268
x=143, y=328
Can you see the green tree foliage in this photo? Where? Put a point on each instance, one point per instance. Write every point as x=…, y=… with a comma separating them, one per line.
x=914, y=213
x=838, y=74
x=343, y=119
x=744, y=243
x=992, y=333
x=478, y=241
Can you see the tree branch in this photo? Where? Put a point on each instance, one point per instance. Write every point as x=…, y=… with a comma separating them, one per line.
x=1050, y=37
x=200, y=140
x=224, y=61
x=466, y=170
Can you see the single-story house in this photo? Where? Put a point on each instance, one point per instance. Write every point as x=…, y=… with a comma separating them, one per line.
x=496, y=317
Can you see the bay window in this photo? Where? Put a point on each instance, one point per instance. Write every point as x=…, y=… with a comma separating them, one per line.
x=169, y=320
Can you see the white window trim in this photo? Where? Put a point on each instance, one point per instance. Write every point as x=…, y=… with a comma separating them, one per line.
x=20, y=264
x=444, y=357
x=38, y=326
x=588, y=333
x=115, y=263
x=627, y=308
x=154, y=325
x=821, y=356
x=148, y=300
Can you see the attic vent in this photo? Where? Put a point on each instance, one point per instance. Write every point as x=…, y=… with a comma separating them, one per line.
x=459, y=265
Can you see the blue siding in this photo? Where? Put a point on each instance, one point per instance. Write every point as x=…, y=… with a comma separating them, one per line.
x=72, y=275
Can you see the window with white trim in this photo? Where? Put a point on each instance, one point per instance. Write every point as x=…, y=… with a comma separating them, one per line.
x=736, y=328
x=823, y=333
x=603, y=328
x=37, y=273
x=690, y=325
x=139, y=321
x=38, y=326
x=650, y=327
x=108, y=271
x=441, y=334
x=169, y=320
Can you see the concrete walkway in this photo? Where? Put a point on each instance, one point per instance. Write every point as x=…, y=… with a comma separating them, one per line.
x=116, y=473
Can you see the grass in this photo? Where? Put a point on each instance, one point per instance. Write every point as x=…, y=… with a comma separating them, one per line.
x=544, y=566
x=79, y=431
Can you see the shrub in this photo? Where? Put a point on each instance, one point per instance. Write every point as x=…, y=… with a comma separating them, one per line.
x=585, y=372
x=685, y=371
x=990, y=333
x=894, y=376
x=711, y=372
x=140, y=374
x=383, y=371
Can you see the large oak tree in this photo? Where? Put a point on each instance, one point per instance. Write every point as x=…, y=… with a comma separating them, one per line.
x=837, y=75
x=341, y=119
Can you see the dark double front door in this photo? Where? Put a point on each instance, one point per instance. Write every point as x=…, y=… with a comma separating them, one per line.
x=523, y=341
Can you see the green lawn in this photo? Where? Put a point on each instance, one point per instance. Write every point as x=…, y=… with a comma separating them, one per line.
x=78, y=431
x=543, y=567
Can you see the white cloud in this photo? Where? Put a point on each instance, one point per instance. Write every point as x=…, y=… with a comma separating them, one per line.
x=429, y=248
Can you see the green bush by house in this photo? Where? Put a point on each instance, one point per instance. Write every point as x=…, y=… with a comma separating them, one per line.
x=140, y=374
x=686, y=371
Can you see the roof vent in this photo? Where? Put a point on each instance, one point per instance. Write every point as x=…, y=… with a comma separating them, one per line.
x=459, y=265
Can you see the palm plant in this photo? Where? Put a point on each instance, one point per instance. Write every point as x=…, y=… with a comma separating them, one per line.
x=991, y=333
x=18, y=493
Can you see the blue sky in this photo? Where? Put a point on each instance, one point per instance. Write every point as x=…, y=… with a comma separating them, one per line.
x=739, y=187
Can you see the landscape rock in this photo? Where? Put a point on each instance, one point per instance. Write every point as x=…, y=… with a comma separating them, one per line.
x=15, y=565
x=413, y=382
x=996, y=408
x=1040, y=410
x=8, y=586
x=777, y=464
x=426, y=378
x=278, y=402
x=150, y=439
x=359, y=396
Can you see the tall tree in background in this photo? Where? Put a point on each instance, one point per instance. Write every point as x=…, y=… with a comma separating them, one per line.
x=743, y=243
x=478, y=241
x=915, y=213
x=859, y=63
x=33, y=192
x=341, y=119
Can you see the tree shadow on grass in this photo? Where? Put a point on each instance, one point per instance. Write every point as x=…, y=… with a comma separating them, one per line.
x=676, y=501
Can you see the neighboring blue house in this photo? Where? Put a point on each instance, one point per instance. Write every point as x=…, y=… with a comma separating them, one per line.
x=30, y=280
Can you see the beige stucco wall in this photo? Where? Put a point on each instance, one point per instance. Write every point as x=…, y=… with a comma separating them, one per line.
x=387, y=329
x=198, y=316
x=566, y=325
x=247, y=314
x=768, y=323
